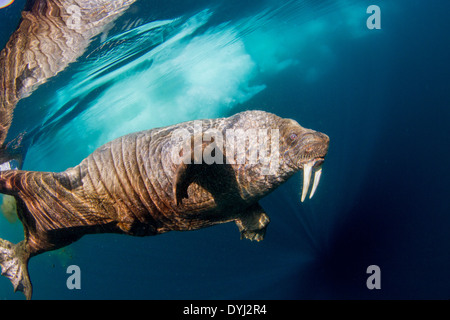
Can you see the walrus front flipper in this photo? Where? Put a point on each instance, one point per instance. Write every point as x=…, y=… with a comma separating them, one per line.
x=206, y=166
x=14, y=264
x=253, y=223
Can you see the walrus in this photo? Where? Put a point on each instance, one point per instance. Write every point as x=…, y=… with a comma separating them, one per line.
x=145, y=184
x=51, y=35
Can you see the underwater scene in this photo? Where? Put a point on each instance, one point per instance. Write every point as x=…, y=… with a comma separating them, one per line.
x=373, y=76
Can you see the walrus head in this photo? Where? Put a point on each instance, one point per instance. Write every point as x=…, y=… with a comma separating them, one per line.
x=236, y=150
x=303, y=149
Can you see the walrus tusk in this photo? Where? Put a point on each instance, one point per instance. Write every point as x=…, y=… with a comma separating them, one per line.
x=307, y=169
x=317, y=175
x=307, y=172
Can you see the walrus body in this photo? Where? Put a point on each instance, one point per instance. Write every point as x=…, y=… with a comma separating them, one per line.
x=134, y=185
x=51, y=35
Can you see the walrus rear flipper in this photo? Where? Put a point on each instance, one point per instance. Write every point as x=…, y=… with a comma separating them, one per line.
x=14, y=264
x=14, y=257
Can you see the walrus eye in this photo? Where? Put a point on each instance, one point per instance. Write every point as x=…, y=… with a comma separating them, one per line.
x=293, y=136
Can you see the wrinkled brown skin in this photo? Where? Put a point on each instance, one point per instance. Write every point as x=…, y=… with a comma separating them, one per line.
x=50, y=36
x=131, y=186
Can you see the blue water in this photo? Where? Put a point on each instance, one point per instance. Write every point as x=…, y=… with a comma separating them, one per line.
x=381, y=95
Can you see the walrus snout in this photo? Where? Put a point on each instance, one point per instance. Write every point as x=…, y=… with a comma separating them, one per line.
x=312, y=145
x=312, y=149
